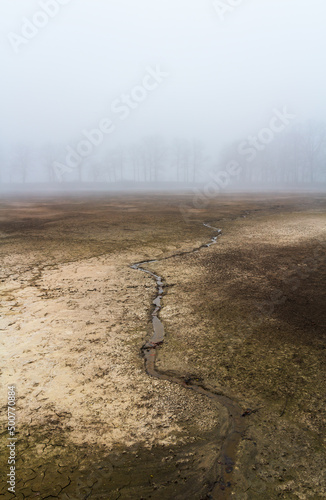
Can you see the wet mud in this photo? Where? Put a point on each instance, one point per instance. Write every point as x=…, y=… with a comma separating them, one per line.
x=226, y=461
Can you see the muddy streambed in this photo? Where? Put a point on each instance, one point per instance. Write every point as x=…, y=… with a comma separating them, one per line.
x=92, y=422
x=227, y=457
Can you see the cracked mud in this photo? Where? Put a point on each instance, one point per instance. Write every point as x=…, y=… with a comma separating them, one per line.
x=244, y=319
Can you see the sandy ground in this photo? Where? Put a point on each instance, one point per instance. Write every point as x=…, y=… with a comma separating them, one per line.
x=247, y=316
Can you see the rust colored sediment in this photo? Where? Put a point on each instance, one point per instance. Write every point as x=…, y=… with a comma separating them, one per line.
x=225, y=465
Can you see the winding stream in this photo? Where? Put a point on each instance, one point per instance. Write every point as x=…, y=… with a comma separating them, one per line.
x=225, y=465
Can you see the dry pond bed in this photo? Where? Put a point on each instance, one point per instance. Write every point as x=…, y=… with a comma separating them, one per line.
x=246, y=317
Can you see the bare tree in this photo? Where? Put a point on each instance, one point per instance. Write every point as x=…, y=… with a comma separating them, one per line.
x=177, y=157
x=20, y=163
x=135, y=160
x=198, y=158
x=314, y=143
x=48, y=155
x=153, y=156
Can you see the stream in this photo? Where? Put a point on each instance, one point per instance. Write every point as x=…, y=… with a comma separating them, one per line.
x=226, y=462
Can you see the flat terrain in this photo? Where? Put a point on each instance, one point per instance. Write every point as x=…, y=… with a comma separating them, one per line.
x=246, y=316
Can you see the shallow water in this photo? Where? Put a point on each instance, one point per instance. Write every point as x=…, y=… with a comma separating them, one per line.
x=225, y=466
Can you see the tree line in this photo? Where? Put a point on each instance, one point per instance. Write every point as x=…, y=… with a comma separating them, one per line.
x=295, y=157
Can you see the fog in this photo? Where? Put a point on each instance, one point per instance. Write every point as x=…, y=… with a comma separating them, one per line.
x=118, y=91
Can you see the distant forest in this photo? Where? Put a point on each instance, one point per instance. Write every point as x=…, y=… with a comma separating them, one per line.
x=295, y=157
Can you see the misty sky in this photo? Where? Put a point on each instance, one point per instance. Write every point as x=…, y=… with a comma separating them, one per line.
x=225, y=77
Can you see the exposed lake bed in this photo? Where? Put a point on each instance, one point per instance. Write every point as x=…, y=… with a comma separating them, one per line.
x=245, y=317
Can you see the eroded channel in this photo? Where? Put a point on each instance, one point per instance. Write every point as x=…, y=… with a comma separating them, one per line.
x=225, y=467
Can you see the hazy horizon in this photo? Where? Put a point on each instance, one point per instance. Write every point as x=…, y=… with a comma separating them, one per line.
x=213, y=71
